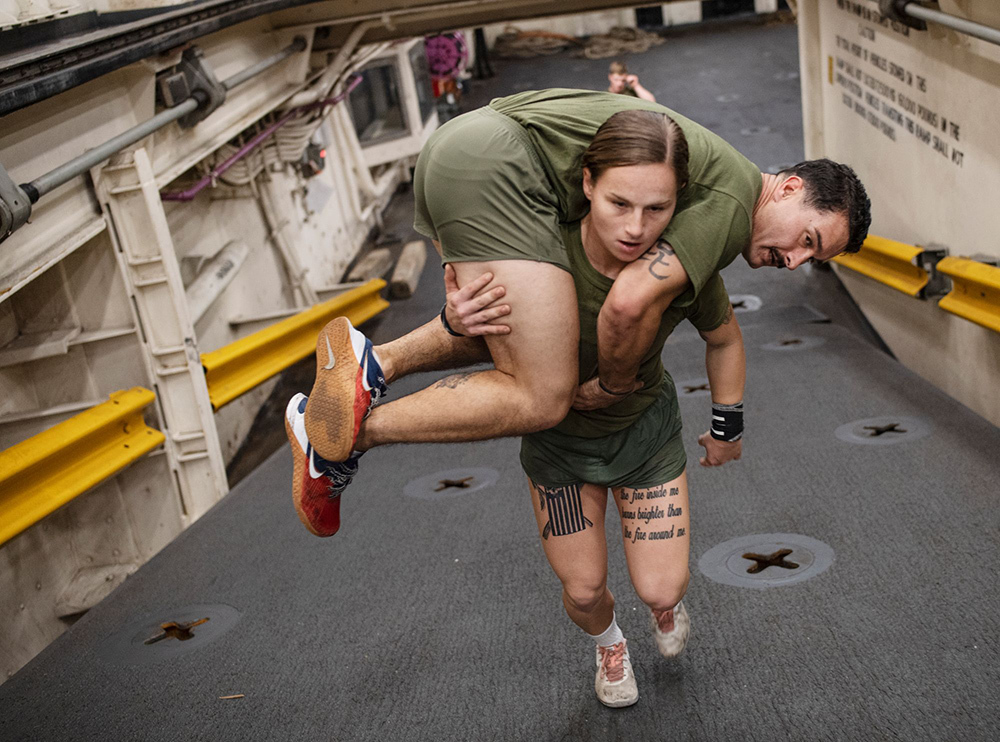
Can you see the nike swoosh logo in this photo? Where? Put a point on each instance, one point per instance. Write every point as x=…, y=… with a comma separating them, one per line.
x=312, y=467
x=329, y=353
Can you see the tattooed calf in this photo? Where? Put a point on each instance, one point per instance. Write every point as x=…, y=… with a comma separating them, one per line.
x=456, y=380
x=565, y=508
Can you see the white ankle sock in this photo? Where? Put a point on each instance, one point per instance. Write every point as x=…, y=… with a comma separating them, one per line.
x=611, y=636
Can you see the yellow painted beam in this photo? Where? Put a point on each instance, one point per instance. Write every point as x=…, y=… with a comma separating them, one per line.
x=975, y=292
x=238, y=367
x=888, y=262
x=43, y=473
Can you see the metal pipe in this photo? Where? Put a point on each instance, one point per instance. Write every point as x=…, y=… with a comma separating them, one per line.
x=189, y=193
x=298, y=45
x=986, y=33
x=79, y=165
x=329, y=78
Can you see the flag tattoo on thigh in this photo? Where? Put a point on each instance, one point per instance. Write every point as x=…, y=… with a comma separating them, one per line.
x=565, y=508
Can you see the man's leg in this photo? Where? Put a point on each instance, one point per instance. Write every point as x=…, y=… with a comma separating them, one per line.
x=655, y=525
x=530, y=388
x=429, y=348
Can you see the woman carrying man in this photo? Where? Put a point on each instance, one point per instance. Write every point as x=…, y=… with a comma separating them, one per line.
x=623, y=438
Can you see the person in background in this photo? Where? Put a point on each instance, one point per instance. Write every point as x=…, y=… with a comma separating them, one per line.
x=623, y=83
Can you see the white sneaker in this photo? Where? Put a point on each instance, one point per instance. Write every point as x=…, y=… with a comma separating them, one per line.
x=672, y=641
x=615, y=682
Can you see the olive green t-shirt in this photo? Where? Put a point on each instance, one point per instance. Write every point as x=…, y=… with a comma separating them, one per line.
x=706, y=313
x=711, y=224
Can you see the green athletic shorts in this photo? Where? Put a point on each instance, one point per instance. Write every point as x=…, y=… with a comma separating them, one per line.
x=481, y=192
x=649, y=452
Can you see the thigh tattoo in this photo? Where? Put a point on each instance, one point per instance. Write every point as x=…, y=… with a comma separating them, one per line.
x=646, y=513
x=565, y=508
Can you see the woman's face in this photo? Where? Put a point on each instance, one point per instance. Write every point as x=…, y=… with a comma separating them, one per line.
x=630, y=207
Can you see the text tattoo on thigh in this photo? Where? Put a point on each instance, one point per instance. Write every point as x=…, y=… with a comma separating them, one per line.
x=640, y=516
x=565, y=508
x=658, y=259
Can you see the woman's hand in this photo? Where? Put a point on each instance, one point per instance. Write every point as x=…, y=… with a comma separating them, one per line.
x=473, y=309
x=718, y=452
x=590, y=396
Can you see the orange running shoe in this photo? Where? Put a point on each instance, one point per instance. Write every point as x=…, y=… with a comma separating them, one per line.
x=349, y=382
x=316, y=483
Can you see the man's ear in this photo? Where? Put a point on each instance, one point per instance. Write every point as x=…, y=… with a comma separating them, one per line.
x=791, y=187
x=588, y=183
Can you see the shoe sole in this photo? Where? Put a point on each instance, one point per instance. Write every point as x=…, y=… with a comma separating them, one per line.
x=331, y=422
x=298, y=472
x=620, y=704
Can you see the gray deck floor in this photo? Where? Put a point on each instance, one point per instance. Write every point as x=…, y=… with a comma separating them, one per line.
x=440, y=619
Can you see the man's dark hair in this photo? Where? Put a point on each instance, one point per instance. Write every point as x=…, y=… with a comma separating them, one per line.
x=831, y=186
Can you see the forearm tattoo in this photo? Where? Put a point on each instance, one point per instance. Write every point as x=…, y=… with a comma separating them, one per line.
x=565, y=508
x=645, y=510
x=658, y=259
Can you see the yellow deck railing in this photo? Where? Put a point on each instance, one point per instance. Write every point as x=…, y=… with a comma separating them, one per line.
x=888, y=262
x=975, y=293
x=43, y=473
x=240, y=366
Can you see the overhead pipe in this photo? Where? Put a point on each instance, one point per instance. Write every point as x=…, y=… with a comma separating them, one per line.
x=189, y=193
x=79, y=165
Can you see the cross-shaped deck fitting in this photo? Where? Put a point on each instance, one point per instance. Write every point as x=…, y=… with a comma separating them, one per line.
x=777, y=559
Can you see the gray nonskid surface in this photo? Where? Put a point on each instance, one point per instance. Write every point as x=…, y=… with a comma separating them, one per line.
x=439, y=619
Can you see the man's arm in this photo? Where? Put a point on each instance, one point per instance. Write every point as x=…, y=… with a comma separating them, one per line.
x=725, y=362
x=630, y=317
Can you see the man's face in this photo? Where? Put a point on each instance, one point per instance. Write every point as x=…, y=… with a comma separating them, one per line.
x=630, y=207
x=787, y=233
x=617, y=82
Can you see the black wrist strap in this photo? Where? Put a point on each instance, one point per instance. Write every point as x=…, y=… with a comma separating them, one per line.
x=444, y=321
x=608, y=391
x=727, y=422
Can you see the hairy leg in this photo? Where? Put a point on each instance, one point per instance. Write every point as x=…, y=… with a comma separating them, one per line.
x=531, y=386
x=655, y=529
x=430, y=348
x=571, y=524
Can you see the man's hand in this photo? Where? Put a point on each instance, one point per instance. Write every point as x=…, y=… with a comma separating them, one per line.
x=473, y=309
x=631, y=80
x=590, y=396
x=718, y=452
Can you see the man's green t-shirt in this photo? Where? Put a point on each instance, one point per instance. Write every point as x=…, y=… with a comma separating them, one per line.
x=706, y=312
x=711, y=224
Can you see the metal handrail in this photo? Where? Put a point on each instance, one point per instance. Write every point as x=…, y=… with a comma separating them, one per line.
x=44, y=472
x=986, y=33
x=238, y=367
